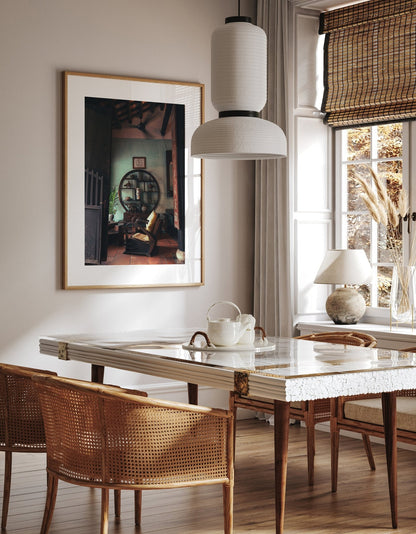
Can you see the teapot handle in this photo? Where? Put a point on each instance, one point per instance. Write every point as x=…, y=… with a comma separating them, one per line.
x=223, y=302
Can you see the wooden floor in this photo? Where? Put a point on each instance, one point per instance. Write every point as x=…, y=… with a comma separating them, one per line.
x=361, y=505
x=164, y=253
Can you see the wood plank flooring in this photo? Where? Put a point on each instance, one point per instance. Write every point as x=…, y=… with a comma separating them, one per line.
x=361, y=505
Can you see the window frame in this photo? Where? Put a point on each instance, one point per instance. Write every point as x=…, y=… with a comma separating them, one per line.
x=409, y=145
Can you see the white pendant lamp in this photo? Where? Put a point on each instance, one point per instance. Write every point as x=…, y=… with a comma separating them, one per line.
x=239, y=93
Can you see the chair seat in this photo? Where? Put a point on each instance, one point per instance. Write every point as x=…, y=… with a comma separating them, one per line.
x=370, y=411
x=141, y=237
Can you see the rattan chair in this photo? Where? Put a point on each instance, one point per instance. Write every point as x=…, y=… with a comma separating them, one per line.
x=21, y=425
x=310, y=412
x=105, y=437
x=363, y=414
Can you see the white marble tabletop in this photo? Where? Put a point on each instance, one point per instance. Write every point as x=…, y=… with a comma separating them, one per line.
x=294, y=370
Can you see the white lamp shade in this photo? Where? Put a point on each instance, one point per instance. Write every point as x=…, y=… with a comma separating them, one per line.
x=239, y=67
x=239, y=93
x=344, y=267
x=239, y=138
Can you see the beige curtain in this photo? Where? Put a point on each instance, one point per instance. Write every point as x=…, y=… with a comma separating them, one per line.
x=272, y=287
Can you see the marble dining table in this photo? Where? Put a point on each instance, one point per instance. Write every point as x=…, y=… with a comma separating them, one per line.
x=280, y=369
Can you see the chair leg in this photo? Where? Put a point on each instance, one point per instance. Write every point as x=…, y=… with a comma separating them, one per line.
x=310, y=442
x=369, y=452
x=117, y=503
x=228, y=496
x=334, y=455
x=6, y=490
x=52, y=489
x=137, y=507
x=192, y=393
x=232, y=407
x=104, y=510
x=310, y=437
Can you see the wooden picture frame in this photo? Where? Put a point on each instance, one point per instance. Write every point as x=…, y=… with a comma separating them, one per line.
x=139, y=162
x=91, y=194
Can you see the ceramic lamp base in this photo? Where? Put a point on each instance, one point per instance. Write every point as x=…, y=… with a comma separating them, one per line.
x=345, y=306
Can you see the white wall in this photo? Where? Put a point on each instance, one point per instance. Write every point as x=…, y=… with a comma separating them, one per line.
x=162, y=39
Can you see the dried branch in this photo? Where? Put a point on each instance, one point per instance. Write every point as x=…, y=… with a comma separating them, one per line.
x=392, y=213
x=403, y=203
x=372, y=207
x=380, y=187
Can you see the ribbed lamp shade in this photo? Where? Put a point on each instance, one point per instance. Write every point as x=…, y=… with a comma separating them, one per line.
x=238, y=138
x=239, y=93
x=239, y=67
x=344, y=267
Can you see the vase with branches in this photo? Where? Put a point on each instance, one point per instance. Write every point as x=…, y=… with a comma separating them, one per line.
x=390, y=213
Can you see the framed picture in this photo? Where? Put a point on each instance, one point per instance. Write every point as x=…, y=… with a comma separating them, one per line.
x=124, y=226
x=139, y=162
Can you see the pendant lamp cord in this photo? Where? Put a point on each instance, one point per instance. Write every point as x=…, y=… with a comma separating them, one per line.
x=238, y=7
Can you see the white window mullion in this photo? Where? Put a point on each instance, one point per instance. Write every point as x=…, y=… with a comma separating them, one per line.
x=340, y=196
x=410, y=164
x=407, y=185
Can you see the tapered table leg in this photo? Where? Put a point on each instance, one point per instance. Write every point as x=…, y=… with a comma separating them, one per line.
x=97, y=373
x=390, y=433
x=281, y=440
x=192, y=393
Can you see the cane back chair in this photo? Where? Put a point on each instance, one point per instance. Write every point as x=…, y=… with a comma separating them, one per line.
x=21, y=425
x=105, y=437
x=310, y=412
x=364, y=414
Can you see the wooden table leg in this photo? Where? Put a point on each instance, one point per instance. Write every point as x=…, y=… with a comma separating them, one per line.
x=281, y=440
x=390, y=433
x=192, y=393
x=97, y=373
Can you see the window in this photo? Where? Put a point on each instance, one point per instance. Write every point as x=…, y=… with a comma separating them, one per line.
x=384, y=148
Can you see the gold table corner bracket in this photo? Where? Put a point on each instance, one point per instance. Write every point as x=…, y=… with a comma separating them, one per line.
x=241, y=383
x=63, y=351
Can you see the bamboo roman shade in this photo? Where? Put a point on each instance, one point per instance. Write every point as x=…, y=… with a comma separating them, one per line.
x=370, y=63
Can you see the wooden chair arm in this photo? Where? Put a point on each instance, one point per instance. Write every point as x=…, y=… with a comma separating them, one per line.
x=24, y=372
x=136, y=397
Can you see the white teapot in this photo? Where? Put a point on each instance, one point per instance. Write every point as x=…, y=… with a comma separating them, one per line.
x=226, y=332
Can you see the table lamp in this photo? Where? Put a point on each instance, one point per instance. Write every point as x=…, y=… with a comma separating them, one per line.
x=345, y=305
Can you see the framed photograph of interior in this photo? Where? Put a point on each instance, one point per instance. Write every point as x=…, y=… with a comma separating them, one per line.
x=123, y=227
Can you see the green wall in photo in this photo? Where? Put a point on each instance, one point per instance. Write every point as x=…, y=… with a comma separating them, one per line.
x=154, y=150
